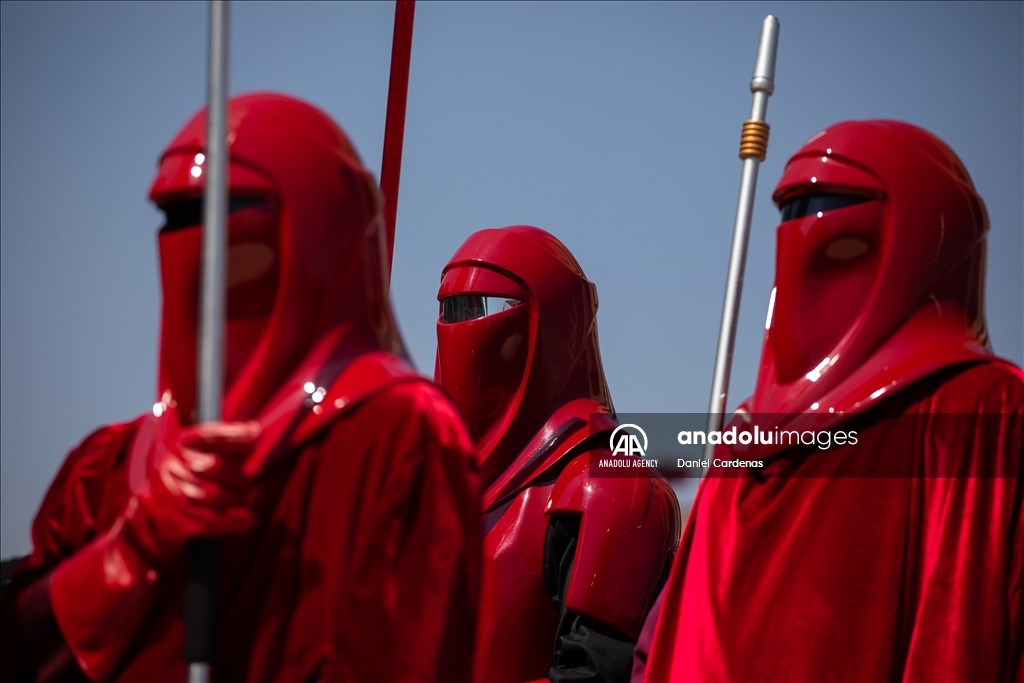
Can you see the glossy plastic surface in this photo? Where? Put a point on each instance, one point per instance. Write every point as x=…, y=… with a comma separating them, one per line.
x=530, y=383
x=515, y=635
x=517, y=619
x=550, y=448
x=629, y=529
x=536, y=357
x=871, y=296
x=326, y=243
x=483, y=359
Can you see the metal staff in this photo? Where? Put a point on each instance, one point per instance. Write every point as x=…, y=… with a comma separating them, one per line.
x=394, y=125
x=753, y=146
x=204, y=554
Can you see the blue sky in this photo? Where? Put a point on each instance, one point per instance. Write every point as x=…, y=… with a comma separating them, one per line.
x=614, y=126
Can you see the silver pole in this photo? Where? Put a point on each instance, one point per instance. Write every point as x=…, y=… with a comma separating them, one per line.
x=198, y=672
x=215, y=211
x=761, y=85
x=204, y=554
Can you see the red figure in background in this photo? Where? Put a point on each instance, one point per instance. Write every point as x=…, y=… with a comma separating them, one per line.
x=571, y=563
x=340, y=481
x=899, y=557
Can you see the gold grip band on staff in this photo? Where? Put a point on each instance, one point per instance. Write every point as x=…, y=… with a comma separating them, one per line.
x=754, y=140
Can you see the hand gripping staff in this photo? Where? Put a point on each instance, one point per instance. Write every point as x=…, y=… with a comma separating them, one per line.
x=204, y=554
x=753, y=147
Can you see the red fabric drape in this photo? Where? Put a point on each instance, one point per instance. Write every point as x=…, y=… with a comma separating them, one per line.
x=846, y=576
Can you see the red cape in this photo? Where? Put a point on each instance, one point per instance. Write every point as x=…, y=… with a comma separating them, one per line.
x=837, y=574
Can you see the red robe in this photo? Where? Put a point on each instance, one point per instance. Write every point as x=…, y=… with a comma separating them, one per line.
x=362, y=566
x=363, y=561
x=830, y=572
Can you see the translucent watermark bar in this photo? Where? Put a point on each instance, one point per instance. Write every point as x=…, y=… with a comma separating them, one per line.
x=763, y=446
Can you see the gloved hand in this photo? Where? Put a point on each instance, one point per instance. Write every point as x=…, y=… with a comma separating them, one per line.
x=194, y=489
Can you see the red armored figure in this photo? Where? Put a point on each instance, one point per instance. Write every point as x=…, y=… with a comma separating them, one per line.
x=570, y=563
x=341, y=482
x=899, y=555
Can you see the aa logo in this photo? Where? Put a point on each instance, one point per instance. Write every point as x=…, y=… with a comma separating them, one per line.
x=627, y=443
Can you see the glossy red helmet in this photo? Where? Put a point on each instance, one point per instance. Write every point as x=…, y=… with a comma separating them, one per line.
x=516, y=338
x=879, y=273
x=305, y=261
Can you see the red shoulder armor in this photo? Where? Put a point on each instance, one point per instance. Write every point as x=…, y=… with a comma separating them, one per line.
x=302, y=410
x=629, y=529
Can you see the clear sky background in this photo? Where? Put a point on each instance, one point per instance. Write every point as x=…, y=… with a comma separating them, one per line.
x=614, y=126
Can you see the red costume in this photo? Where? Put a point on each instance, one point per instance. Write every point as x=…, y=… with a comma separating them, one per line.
x=571, y=563
x=346, y=503
x=898, y=557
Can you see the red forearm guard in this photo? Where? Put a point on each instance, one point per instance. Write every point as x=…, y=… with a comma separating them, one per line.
x=629, y=528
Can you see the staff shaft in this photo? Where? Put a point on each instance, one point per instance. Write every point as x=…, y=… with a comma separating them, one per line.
x=203, y=554
x=761, y=85
x=394, y=124
x=215, y=196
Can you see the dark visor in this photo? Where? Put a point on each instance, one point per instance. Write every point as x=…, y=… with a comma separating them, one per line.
x=807, y=204
x=185, y=213
x=457, y=309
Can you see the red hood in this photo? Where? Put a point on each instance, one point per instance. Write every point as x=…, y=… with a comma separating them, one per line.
x=843, y=334
x=331, y=287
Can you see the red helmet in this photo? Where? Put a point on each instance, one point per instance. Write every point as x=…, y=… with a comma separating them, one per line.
x=879, y=273
x=516, y=338
x=305, y=262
